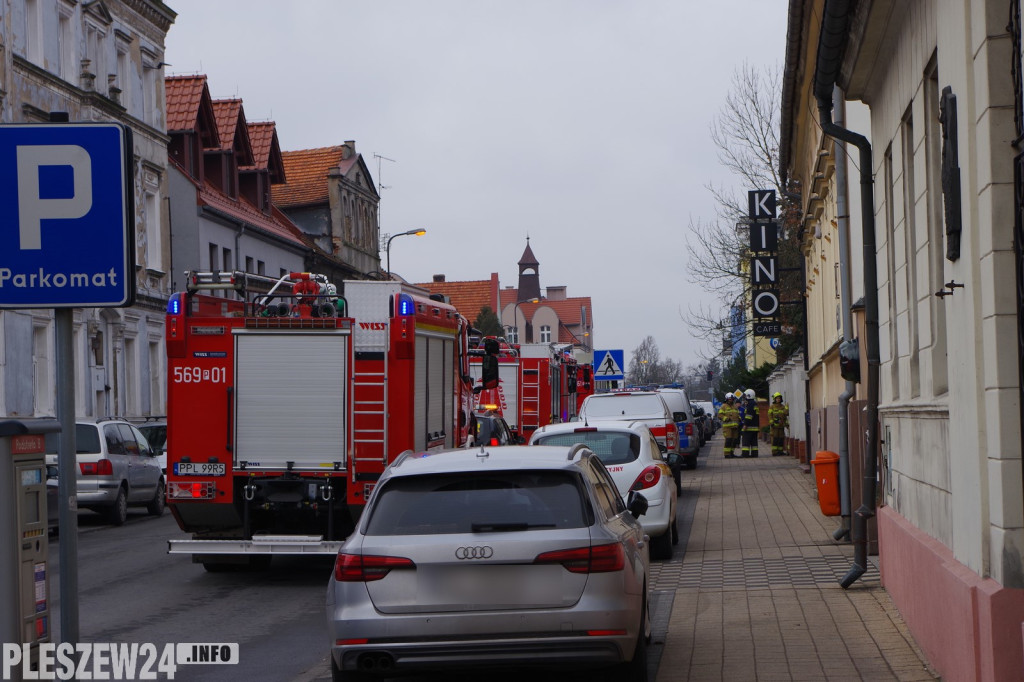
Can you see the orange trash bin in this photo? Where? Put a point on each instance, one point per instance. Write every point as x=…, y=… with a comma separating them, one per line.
x=826, y=476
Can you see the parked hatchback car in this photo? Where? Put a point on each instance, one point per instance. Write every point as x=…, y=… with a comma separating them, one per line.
x=492, y=557
x=632, y=456
x=646, y=406
x=116, y=468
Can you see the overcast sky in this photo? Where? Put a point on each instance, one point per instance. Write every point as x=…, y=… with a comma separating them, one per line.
x=582, y=124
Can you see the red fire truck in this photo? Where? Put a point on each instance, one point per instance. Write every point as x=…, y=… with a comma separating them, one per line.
x=535, y=384
x=584, y=383
x=504, y=398
x=286, y=402
x=542, y=382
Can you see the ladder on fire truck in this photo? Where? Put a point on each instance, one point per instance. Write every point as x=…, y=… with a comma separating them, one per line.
x=530, y=402
x=369, y=405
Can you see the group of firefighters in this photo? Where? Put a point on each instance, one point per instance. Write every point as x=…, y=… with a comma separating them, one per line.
x=741, y=423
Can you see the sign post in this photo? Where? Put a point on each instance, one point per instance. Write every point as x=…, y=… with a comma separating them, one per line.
x=67, y=240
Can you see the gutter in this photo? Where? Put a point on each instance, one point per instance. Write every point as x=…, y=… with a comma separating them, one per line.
x=849, y=390
x=835, y=27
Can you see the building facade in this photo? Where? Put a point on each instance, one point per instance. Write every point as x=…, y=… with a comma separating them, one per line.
x=938, y=79
x=222, y=171
x=95, y=61
x=330, y=195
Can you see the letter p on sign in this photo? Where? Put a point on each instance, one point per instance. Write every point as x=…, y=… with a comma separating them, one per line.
x=32, y=207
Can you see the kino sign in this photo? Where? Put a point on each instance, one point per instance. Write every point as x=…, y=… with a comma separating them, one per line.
x=764, y=267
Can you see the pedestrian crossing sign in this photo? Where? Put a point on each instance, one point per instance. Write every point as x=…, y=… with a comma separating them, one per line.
x=608, y=365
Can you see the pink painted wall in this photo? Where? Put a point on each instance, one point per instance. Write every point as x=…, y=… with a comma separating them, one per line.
x=969, y=627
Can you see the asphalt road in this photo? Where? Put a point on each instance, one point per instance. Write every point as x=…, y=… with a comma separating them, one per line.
x=131, y=590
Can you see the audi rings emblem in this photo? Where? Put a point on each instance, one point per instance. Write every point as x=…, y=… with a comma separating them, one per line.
x=483, y=552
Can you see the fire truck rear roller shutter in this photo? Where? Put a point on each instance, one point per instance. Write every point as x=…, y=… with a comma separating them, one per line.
x=286, y=393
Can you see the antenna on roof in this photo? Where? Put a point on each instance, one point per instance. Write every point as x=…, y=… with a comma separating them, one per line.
x=381, y=187
x=380, y=184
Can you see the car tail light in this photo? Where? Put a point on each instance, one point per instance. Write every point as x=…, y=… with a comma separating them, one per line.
x=101, y=468
x=356, y=568
x=606, y=633
x=648, y=478
x=598, y=559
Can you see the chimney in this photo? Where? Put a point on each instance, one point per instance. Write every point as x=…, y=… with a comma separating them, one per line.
x=438, y=278
x=350, y=149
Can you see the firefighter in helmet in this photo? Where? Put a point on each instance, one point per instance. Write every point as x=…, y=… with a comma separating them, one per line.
x=778, y=422
x=750, y=424
x=730, y=416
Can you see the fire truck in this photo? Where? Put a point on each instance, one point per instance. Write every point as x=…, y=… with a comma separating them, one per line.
x=584, y=383
x=536, y=384
x=504, y=398
x=286, y=402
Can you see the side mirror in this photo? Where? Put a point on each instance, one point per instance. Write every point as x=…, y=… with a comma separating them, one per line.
x=636, y=504
x=678, y=416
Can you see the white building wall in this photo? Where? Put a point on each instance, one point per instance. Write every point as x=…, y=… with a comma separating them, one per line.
x=949, y=395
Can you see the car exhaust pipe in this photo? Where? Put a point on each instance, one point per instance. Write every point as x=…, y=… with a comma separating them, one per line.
x=375, y=661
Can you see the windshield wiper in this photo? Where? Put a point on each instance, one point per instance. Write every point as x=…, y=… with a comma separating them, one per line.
x=512, y=526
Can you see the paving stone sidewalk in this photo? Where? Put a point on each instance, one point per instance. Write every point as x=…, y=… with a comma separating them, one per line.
x=757, y=596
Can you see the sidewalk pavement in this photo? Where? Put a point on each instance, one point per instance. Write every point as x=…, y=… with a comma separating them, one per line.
x=756, y=596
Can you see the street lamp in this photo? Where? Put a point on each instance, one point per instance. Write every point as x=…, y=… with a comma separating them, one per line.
x=407, y=233
x=515, y=314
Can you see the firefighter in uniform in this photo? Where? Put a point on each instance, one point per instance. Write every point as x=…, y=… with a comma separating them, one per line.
x=778, y=422
x=730, y=416
x=750, y=424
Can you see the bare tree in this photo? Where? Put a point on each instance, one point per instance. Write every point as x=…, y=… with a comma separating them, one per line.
x=647, y=368
x=642, y=364
x=746, y=132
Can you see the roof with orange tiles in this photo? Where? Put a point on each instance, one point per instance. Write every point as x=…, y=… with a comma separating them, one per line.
x=233, y=131
x=261, y=136
x=275, y=225
x=184, y=97
x=568, y=309
x=467, y=297
x=307, y=171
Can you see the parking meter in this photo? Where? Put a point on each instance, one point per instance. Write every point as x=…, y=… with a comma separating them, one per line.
x=24, y=538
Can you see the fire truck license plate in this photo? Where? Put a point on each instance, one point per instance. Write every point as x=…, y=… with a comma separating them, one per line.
x=199, y=469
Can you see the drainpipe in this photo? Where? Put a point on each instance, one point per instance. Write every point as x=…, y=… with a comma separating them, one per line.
x=834, y=32
x=843, y=218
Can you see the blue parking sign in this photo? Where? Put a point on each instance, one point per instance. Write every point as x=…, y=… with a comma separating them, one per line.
x=66, y=216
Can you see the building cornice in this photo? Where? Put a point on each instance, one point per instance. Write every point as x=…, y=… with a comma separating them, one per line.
x=154, y=11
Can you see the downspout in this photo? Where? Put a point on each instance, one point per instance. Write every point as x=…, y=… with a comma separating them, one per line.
x=834, y=33
x=843, y=219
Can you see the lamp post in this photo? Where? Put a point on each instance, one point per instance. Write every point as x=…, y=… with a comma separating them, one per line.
x=407, y=233
x=515, y=315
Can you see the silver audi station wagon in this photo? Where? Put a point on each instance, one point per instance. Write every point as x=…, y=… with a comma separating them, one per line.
x=492, y=557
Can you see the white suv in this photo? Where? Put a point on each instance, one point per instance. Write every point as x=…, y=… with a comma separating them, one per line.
x=632, y=456
x=116, y=468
